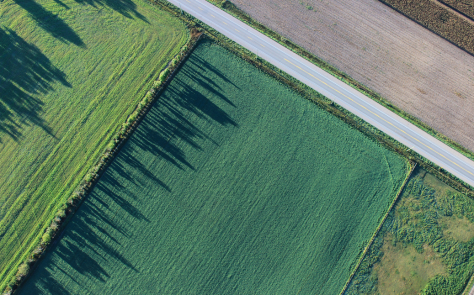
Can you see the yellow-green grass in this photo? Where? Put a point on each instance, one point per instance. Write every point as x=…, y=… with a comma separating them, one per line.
x=232, y=184
x=70, y=73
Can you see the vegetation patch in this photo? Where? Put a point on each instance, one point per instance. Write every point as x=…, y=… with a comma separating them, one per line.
x=404, y=270
x=232, y=184
x=425, y=245
x=71, y=72
x=461, y=229
x=438, y=19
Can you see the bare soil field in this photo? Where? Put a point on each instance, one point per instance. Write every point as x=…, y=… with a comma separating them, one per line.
x=410, y=66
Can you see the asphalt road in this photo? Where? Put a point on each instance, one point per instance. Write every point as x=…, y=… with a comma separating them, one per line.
x=342, y=94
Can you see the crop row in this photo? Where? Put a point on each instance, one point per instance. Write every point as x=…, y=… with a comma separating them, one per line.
x=443, y=22
x=464, y=6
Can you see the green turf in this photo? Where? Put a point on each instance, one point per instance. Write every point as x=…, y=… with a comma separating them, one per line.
x=233, y=184
x=70, y=73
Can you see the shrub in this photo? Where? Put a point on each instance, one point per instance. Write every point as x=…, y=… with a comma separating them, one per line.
x=47, y=237
x=164, y=74
x=89, y=177
x=111, y=144
x=157, y=84
x=23, y=270
x=38, y=251
x=133, y=117
x=223, y=3
x=174, y=62
x=54, y=226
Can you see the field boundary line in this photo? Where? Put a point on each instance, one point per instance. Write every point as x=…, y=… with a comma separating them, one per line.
x=322, y=101
x=121, y=136
x=454, y=10
x=366, y=249
x=233, y=10
x=425, y=25
x=443, y=175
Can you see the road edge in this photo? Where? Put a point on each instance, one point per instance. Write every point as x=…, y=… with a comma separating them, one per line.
x=233, y=10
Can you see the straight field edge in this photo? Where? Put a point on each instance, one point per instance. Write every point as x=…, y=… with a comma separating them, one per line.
x=414, y=159
x=426, y=25
x=230, y=8
x=197, y=28
x=377, y=230
x=12, y=283
x=321, y=100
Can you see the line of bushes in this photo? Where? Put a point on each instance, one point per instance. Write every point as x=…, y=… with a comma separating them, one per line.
x=68, y=209
x=230, y=8
x=465, y=7
x=319, y=99
x=439, y=20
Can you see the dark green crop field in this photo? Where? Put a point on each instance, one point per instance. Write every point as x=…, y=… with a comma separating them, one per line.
x=71, y=71
x=232, y=184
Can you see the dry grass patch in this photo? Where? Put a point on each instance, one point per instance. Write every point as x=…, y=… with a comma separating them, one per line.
x=461, y=229
x=403, y=270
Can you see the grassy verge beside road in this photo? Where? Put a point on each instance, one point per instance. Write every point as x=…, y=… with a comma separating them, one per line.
x=233, y=10
x=322, y=101
x=71, y=74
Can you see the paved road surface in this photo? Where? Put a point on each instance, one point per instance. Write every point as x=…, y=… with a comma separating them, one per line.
x=332, y=88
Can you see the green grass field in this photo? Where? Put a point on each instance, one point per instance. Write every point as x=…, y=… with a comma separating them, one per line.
x=232, y=184
x=426, y=245
x=70, y=73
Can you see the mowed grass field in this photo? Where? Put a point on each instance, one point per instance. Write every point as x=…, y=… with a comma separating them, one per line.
x=70, y=73
x=232, y=184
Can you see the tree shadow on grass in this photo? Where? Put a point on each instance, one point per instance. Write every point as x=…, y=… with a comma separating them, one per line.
x=127, y=8
x=24, y=72
x=89, y=240
x=50, y=22
x=93, y=235
x=168, y=125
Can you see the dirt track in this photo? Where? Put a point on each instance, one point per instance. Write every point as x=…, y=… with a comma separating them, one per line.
x=413, y=68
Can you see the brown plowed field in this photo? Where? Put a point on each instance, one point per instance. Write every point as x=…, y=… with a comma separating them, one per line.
x=415, y=69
